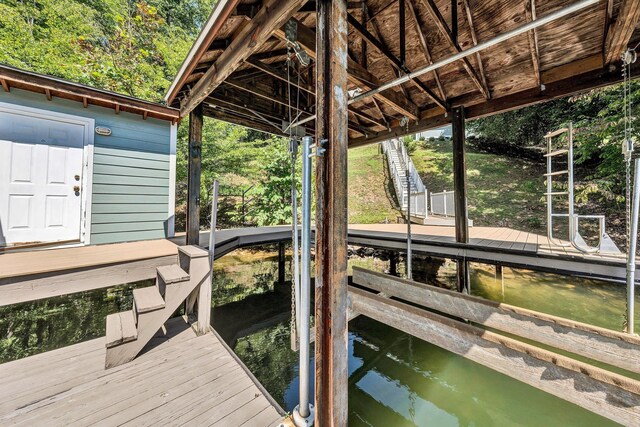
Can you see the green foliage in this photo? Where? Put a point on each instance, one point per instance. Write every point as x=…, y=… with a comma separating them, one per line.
x=598, y=119
x=273, y=198
x=131, y=47
x=523, y=127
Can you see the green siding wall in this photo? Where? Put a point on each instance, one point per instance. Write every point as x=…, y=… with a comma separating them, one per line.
x=131, y=182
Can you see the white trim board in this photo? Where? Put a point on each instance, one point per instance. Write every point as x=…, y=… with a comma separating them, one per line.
x=87, y=156
x=171, y=213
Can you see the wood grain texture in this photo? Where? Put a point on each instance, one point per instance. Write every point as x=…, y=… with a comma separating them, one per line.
x=177, y=378
x=602, y=392
x=331, y=345
x=620, y=32
x=604, y=345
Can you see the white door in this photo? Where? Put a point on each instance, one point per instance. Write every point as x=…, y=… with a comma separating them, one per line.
x=40, y=179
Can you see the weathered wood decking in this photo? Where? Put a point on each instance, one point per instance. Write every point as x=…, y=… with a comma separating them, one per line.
x=27, y=276
x=179, y=379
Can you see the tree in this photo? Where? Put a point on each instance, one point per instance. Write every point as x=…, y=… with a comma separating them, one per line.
x=273, y=202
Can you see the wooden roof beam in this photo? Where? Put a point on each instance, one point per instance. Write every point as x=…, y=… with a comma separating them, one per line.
x=278, y=74
x=448, y=36
x=572, y=82
x=270, y=17
x=357, y=74
x=425, y=47
x=274, y=72
x=395, y=61
x=474, y=38
x=530, y=11
x=309, y=7
x=382, y=115
x=241, y=119
x=620, y=32
x=259, y=92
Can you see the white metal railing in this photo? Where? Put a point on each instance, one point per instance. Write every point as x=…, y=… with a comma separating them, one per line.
x=442, y=203
x=399, y=162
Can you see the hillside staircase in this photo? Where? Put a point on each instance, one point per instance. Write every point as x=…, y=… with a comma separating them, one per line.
x=426, y=209
x=189, y=280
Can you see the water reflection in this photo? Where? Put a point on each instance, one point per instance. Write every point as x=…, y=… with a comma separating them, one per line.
x=38, y=326
x=396, y=379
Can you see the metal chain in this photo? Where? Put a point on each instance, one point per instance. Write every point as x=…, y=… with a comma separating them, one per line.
x=293, y=204
x=626, y=87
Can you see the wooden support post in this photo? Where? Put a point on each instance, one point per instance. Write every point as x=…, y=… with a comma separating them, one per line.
x=331, y=379
x=460, y=188
x=193, y=190
x=281, y=263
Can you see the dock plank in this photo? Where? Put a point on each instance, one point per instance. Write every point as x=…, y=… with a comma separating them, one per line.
x=182, y=376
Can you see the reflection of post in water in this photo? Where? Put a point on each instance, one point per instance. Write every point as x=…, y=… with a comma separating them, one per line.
x=421, y=375
x=499, y=276
x=281, y=263
x=252, y=313
x=393, y=263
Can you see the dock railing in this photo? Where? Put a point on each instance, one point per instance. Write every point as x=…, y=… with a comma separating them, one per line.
x=442, y=203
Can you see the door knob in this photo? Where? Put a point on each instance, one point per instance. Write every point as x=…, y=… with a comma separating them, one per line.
x=76, y=188
x=77, y=177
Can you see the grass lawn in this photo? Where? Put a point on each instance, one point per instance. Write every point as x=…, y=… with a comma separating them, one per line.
x=371, y=200
x=502, y=191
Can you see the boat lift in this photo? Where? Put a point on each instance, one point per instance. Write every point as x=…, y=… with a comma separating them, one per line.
x=605, y=243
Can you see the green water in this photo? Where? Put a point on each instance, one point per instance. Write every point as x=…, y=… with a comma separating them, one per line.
x=590, y=301
x=399, y=380
x=395, y=379
x=38, y=326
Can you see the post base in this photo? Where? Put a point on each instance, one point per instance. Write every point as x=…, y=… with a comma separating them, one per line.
x=301, y=421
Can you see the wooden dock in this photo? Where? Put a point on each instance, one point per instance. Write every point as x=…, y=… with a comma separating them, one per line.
x=493, y=245
x=27, y=276
x=178, y=379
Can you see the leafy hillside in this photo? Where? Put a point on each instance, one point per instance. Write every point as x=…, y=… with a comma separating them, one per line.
x=130, y=47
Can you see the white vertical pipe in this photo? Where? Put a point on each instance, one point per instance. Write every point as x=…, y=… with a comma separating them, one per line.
x=294, y=226
x=408, y=176
x=214, y=218
x=631, y=256
x=305, y=279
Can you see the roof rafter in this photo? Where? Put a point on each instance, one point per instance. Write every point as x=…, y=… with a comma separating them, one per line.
x=280, y=75
x=271, y=16
x=356, y=73
x=571, y=83
x=395, y=61
x=620, y=32
x=425, y=47
x=530, y=11
x=474, y=38
x=448, y=36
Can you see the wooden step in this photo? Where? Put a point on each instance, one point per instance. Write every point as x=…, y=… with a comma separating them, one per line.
x=147, y=299
x=121, y=328
x=172, y=274
x=193, y=251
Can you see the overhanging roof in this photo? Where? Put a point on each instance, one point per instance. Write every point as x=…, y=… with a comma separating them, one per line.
x=237, y=68
x=11, y=77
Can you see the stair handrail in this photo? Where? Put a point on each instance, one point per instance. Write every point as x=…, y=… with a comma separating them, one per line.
x=397, y=156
